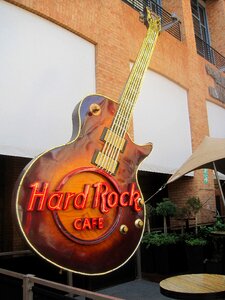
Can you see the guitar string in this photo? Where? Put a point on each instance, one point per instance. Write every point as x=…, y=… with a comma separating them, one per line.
x=121, y=130
x=118, y=120
x=140, y=79
x=154, y=25
x=116, y=153
x=129, y=99
x=131, y=96
x=111, y=150
x=106, y=147
x=134, y=91
x=150, y=42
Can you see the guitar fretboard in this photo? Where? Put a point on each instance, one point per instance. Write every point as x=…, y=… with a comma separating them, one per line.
x=108, y=157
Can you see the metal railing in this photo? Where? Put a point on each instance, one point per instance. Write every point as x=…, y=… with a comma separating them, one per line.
x=210, y=54
x=29, y=281
x=166, y=17
x=16, y=253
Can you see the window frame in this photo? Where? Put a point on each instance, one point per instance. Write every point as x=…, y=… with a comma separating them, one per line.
x=200, y=6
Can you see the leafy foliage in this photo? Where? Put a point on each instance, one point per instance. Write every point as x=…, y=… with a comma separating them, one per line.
x=196, y=241
x=205, y=231
x=219, y=225
x=194, y=204
x=166, y=208
x=159, y=239
x=150, y=210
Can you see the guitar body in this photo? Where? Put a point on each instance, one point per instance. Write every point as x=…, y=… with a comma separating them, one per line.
x=72, y=212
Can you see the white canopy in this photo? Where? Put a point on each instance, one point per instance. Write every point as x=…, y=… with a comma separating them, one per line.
x=210, y=151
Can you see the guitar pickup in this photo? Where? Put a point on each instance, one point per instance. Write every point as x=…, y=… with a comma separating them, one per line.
x=105, y=162
x=113, y=139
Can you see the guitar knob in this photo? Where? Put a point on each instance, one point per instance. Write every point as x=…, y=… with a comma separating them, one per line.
x=139, y=223
x=141, y=202
x=123, y=229
x=95, y=109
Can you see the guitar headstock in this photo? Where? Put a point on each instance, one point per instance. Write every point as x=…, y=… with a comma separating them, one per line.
x=150, y=19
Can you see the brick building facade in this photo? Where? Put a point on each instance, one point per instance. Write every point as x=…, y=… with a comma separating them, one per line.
x=114, y=29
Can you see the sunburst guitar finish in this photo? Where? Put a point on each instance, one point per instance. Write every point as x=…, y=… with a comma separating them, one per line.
x=71, y=212
x=79, y=205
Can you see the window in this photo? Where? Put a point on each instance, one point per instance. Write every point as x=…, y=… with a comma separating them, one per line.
x=200, y=21
x=201, y=29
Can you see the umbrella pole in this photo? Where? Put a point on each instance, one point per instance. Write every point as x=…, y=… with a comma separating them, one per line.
x=218, y=180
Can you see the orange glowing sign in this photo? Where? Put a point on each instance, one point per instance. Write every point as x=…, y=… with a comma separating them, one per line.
x=79, y=205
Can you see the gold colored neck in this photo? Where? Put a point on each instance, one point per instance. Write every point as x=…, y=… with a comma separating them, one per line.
x=134, y=82
x=114, y=137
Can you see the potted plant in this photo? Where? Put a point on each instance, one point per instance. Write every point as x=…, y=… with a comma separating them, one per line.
x=183, y=214
x=219, y=226
x=193, y=205
x=195, y=241
x=166, y=209
x=195, y=252
x=215, y=263
x=160, y=251
x=159, y=239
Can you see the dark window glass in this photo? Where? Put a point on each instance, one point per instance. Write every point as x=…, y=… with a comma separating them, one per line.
x=201, y=30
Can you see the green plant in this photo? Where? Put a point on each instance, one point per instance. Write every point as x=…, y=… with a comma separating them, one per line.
x=182, y=212
x=195, y=253
x=159, y=239
x=194, y=205
x=219, y=225
x=166, y=208
x=195, y=241
x=205, y=231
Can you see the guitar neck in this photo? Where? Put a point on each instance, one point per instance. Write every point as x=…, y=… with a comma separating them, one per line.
x=115, y=136
x=134, y=82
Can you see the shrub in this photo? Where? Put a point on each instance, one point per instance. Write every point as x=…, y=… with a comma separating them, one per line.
x=219, y=225
x=195, y=241
x=194, y=205
x=166, y=208
x=159, y=239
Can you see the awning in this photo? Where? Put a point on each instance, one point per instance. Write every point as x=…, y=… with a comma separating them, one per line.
x=211, y=150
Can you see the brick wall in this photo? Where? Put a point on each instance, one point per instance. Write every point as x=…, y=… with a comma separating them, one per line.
x=216, y=20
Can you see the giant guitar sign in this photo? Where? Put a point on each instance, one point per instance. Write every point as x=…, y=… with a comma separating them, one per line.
x=79, y=205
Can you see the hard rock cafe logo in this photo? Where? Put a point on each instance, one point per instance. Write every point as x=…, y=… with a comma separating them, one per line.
x=85, y=209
